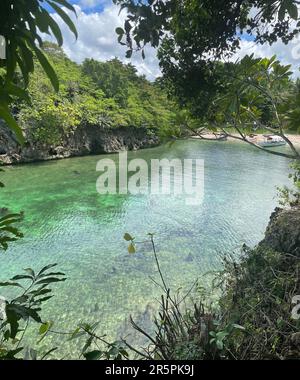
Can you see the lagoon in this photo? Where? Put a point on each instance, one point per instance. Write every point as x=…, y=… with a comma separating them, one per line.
x=69, y=223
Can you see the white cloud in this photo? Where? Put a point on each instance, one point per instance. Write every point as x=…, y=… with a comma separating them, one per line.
x=287, y=54
x=88, y=3
x=91, y=4
x=98, y=40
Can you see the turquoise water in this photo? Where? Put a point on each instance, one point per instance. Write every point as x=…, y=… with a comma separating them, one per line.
x=69, y=223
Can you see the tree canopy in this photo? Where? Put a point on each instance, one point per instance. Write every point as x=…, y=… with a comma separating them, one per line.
x=95, y=93
x=196, y=38
x=21, y=24
x=193, y=34
x=198, y=27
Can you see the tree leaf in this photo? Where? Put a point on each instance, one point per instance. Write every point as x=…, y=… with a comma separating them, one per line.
x=50, y=280
x=10, y=284
x=128, y=54
x=48, y=68
x=45, y=327
x=44, y=269
x=21, y=277
x=120, y=31
x=131, y=248
x=14, y=90
x=11, y=122
x=30, y=271
x=55, y=28
x=67, y=5
x=293, y=11
x=128, y=237
x=49, y=352
x=281, y=12
x=65, y=18
x=93, y=355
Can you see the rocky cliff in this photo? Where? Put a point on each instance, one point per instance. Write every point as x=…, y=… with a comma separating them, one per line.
x=84, y=141
x=283, y=231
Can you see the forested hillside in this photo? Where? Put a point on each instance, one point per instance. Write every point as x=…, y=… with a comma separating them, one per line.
x=95, y=93
x=101, y=107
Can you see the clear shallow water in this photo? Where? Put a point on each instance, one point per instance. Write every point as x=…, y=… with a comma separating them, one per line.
x=68, y=222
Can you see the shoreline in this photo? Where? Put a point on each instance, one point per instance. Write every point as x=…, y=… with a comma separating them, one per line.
x=294, y=138
x=83, y=142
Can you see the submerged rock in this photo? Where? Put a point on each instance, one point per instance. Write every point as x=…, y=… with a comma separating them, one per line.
x=189, y=258
x=143, y=319
x=96, y=308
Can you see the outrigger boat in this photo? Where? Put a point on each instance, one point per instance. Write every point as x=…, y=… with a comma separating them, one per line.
x=272, y=140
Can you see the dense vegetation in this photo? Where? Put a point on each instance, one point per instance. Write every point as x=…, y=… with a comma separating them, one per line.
x=108, y=94
x=21, y=24
x=195, y=38
x=255, y=317
x=207, y=29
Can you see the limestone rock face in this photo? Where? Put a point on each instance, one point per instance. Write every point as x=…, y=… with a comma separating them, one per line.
x=84, y=141
x=283, y=231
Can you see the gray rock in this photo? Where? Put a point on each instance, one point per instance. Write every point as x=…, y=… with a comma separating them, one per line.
x=283, y=231
x=189, y=258
x=84, y=141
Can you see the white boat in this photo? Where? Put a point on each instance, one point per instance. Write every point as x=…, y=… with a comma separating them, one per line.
x=270, y=141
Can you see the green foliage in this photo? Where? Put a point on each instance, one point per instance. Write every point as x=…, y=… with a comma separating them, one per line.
x=252, y=320
x=9, y=223
x=26, y=308
x=255, y=90
x=112, y=77
x=91, y=349
x=21, y=24
x=137, y=101
x=8, y=230
x=192, y=33
x=131, y=246
x=292, y=109
x=290, y=196
x=258, y=294
x=257, y=95
x=187, y=31
x=99, y=94
x=195, y=37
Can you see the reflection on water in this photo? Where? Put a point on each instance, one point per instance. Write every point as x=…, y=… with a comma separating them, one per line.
x=68, y=222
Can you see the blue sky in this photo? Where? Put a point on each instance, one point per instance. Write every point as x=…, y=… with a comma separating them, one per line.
x=91, y=6
x=88, y=6
x=96, y=23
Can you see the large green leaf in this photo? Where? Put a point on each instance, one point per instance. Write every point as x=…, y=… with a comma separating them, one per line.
x=93, y=355
x=50, y=22
x=17, y=91
x=65, y=4
x=293, y=10
x=11, y=122
x=47, y=67
x=281, y=12
x=65, y=18
x=56, y=30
